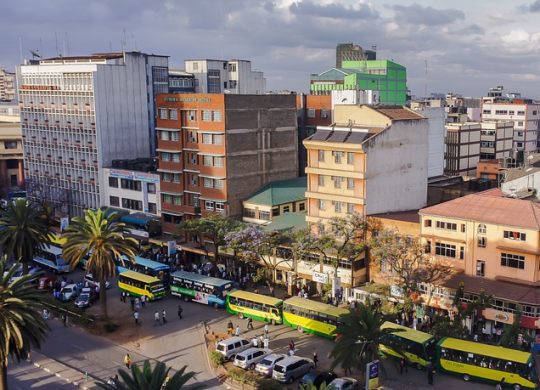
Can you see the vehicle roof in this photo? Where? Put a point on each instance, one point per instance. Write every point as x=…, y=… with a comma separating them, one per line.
x=232, y=340
x=255, y=297
x=253, y=349
x=70, y=286
x=317, y=306
x=274, y=356
x=342, y=380
x=147, y=262
x=486, y=350
x=408, y=333
x=200, y=278
x=139, y=276
x=293, y=359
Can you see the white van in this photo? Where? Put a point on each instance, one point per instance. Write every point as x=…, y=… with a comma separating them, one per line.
x=231, y=346
x=292, y=367
x=248, y=358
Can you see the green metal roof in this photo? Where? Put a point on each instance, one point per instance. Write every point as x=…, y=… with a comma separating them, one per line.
x=280, y=192
x=287, y=221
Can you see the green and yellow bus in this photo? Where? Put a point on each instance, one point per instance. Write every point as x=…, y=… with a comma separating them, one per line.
x=137, y=284
x=487, y=363
x=313, y=317
x=256, y=306
x=417, y=348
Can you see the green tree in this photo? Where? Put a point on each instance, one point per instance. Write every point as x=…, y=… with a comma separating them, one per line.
x=100, y=237
x=152, y=379
x=511, y=335
x=23, y=230
x=359, y=338
x=22, y=326
x=310, y=386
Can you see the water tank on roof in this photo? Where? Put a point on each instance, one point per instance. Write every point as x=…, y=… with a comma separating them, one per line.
x=122, y=164
x=144, y=160
x=131, y=165
x=115, y=163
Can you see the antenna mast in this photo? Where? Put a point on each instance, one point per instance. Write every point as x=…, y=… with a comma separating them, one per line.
x=425, y=83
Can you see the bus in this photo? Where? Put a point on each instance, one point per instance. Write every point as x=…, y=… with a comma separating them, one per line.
x=137, y=284
x=487, y=363
x=142, y=226
x=257, y=306
x=49, y=257
x=147, y=267
x=417, y=348
x=313, y=317
x=200, y=288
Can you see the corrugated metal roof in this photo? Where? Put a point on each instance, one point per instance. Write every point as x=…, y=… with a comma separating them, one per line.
x=280, y=192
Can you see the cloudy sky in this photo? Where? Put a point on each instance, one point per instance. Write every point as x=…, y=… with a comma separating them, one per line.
x=469, y=45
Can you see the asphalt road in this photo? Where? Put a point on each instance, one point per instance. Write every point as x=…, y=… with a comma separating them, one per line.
x=26, y=376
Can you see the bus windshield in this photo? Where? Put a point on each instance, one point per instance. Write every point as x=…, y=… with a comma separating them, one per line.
x=156, y=286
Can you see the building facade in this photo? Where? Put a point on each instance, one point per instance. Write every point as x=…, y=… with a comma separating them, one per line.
x=80, y=113
x=462, y=148
x=217, y=149
x=233, y=76
x=8, y=85
x=181, y=82
x=11, y=156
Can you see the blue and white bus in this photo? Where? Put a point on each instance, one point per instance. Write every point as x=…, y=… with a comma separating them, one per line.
x=147, y=267
x=49, y=257
x=199, y=288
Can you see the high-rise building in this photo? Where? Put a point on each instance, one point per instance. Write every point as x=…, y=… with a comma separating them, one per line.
x=80, y=113
x=7, y=85
x=350, y=52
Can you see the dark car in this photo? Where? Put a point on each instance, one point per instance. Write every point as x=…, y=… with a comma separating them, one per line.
x=317, y=378
x=85, y=298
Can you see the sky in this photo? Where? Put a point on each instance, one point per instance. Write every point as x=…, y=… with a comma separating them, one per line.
x=469, y=46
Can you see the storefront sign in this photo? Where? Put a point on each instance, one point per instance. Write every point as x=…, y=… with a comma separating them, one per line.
x=319, y=277
x=121, y=174
x=170, y=99
x=146, y=177
x=372, y=379
x=171, y=245
x=499, y=316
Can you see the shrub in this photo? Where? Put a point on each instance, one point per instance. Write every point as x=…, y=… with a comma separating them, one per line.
x=216, y=358
x=110, y=326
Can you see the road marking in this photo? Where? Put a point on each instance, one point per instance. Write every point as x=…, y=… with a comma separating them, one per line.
x=76, y=346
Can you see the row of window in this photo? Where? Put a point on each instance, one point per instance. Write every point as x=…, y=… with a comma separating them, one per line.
x=251, y=305
x=337, y=181
x=310, y=314
x=339, y=207
x=206, y=115
x=312, y=113
x=132, y=185
x=506, y=112
x=482, y=229
x=338, y=156
x=132, y=204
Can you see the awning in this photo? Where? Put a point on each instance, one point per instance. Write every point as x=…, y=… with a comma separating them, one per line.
x=172, y=193
x=213, y=177
x=191, y=171
x=172, y=213
x=189, y=248
x=210, y=132
x=210, y=154
x=214, y=200
x=168, y=171
x=168, y=150
x=166, y=129
x=192, y=192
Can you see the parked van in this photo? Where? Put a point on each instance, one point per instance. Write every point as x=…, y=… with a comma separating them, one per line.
x=292, y=367
x=231, y=346
x=248, y=358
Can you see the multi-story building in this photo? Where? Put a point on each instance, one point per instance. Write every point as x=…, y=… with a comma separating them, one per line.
x=496, y=139
x=11, y=156
x=181, y=82
x=80, y=113
x=217, y=149
x=360, y=165
x=350, y=52
x=8, y=91
x=219, y=76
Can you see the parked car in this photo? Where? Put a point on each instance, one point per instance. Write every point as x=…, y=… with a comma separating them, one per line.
x=16, y=276
x=69, y=292
x=266, y=366
x=231, y=346
x=292, y=367
x=85, y=298
x=46, y=283
x=248, y=358
x=94, y=283
x=318, y=378
x=344, y=383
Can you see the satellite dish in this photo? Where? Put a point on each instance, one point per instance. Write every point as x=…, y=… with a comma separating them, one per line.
x=34, y=54
x=226, y=91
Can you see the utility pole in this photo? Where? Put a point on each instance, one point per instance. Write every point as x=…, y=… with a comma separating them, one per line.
x=425, y=83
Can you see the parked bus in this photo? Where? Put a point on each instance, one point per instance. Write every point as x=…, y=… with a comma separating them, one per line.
x=142, y=226
x=49, y=257
x=487, y=363
x=257, y=306
x=199, y=288
x=137, y=284
x=416, y=347
x=310, y=316
x=147, y=267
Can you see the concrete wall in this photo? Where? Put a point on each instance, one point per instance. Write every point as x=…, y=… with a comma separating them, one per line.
x=522, y=184
x=436, y=116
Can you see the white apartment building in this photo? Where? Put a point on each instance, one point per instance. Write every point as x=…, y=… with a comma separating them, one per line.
x=80, y=113
x=7, y=85
x=233, y=76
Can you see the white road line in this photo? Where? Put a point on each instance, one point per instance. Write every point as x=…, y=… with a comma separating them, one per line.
x=76, y=346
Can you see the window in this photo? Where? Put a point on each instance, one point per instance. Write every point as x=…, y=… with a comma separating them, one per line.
x=151, y=188
x=301, y=206
x=321, y=155
x=165, y=156
x=286, y=209
x=337, y=157
x=521, y=112
x=191, y=115
x=152, y=208
x=461, y=252
x=175, y=157
x=192, y=137
x=264, y=215
x=213, y=183
x=162, y=113
x=446, y=225
x=206, y=115
x=350, y=158
x=165, y=135
x=177, y=199
x=427, y=248
x=322, y=204
x=207, y=138
x=113, y=182
x=217, y=139
x=208, y=160
x=311, y=113
x=427, y=222
x=115, y=201
x=520, y=123
x=482, y=229
x=174, y=135
x=176, y=177
x=511, y=235
x=447, y=250
x=512, y=261
x=337, y=206
x=130, y=185
x=321, y=180
x=132, y=204
x=193, y=180
x=10, y=144
x=350, y=183
x=325, y=113
x=166, y=198
x=480, y=268
x=275, y=212
x=350, y=208
x=462, y=228
x=167, y=176
x=209, y=205
x=193, y=159
x=486, y=112
x=218, y=161
x=173, y=113
x=337, y=181
x=482, y=242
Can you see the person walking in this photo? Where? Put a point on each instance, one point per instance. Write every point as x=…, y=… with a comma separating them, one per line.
x=164, y=316
x=403, y=365
x=430, y=372
x=127, y=361
x=156, y=318
x=136, y=315
x=123, y=297
x=315, y=358
x=500, y=384
x=238, y=331
x=64, y=319
x=291, y=346
x=143, y=301
x=132, y=300
x=180, y=310
x=266, y=342
x=249, y=323
x=230, y=327
x=266, y=329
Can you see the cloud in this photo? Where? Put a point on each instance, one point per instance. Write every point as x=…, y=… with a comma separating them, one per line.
x=533, y=7
x=419, y=15
x=334, y=10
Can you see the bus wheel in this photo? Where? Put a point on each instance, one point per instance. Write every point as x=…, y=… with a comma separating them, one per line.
x=241, y=316
x=300, y=329
x=215, y=305
x=466, y=377
x=273, y=322
x=419, y=366
x=517, y=387
x=186, y=298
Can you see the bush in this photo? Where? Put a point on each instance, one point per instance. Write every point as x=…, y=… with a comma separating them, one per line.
x=110, y=326
x=253, y=380
x=216, y=358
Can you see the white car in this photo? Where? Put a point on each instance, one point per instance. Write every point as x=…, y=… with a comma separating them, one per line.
x=248, y=358
x=94, y=283
x=266, y=366
x=344, y=383
x=69, y=292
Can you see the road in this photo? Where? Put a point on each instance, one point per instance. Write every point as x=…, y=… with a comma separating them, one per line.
x=181, y=342
x=26, y=376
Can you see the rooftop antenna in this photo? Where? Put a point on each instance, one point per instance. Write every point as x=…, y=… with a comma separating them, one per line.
x=56, y=40
x=67, y=44
x=20, y=48
x=425, y=83
x=34, y=54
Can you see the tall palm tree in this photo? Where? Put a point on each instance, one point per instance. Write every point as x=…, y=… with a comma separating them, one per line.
x=359, y=336
x=22, y=327
x=156, y=379
x=99, y=236
x=23, y=230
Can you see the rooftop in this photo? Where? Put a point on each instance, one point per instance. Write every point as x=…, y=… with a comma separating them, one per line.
x=404, y=216
x=280, y=192
x=287, y=221
x=396, y=112
x=352, y=134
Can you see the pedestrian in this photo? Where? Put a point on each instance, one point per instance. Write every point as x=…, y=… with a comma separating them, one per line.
x=127, y=361
x=132, y=300
x=180, y=310
x=266, y=328
x=249, y=323
x=402, y=365
x=143, y=301
x=499, y=334
x=430, y=372
x=164, y=316
x=266, y=342
x=238, y=331
x=414, y=323
x=291, y=352
x=64, y=319
x=500, y=384
x=475, y=337
x=315, y=358
x=291, y=346
x=484, y=333
x=96, y=289
x=230, y=327
x=255, y=341
x=136, y=315
x=494, y=332
x=156, y=318
x=123, y=297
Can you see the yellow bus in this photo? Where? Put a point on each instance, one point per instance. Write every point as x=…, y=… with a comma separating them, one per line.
x=313, y=317
x=257, y=306
x=417, y=348
x=137, y=284
x=487, y=363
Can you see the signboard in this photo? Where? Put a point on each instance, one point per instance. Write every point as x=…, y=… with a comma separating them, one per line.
x=64, y=223
x=336, y=286
x=397, y=291
x=372, y=377
x=499, y=316
x=121, y=174
x=146, y=177
x=171, y=245
x=138, y=233
x=319, y=277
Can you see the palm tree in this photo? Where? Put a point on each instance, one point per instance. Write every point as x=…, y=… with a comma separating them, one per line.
x=148, y=379
x=22, y=327
x=99, y=236
x=23, y=230
x=359, y=336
